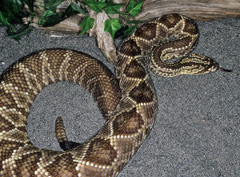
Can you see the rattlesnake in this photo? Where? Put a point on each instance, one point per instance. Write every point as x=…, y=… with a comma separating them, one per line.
x=128, y=103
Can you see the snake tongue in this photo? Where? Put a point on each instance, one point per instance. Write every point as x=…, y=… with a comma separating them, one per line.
x=225, y=70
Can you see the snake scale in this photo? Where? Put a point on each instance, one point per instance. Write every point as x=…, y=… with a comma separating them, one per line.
x=128, y=102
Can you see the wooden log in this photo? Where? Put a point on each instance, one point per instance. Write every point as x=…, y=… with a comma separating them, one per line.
x=195, y=9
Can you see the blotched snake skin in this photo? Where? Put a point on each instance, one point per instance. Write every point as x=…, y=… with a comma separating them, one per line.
x=128, y=103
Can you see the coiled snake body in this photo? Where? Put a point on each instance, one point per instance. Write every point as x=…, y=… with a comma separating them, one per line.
x=129, y=104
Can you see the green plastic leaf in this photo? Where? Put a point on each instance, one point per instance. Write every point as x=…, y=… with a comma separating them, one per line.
x=74, y=9
x=50, y=18
x=17, y=6
x=112, y=26
x=134, y=8
x=130, y=31
x=11, y=10
x=96, y=6
x=52, y=4
x=112, y=8
x=17, y=34
x=3, y=20
x=87, y=24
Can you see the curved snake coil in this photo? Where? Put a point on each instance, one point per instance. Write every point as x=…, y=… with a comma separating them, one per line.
x=129, y=104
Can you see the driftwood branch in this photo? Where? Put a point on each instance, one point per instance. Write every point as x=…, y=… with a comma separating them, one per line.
x=195, y=9
x=104, y=39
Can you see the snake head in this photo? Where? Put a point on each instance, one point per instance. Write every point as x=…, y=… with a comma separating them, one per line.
x=202, y=64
